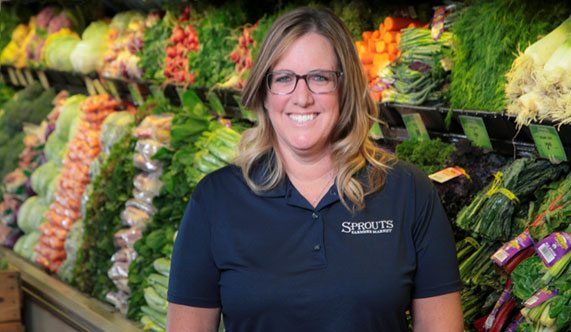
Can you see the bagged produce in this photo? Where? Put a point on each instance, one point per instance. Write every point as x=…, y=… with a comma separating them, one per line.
x=113, y=128
x=87, y=56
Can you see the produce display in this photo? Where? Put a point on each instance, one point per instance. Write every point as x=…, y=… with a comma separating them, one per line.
x=484, y=50
x=94, y=190
x=539, y=84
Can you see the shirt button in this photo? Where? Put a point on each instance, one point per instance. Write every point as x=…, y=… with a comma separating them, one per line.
x=315, y=215
x=317, y=247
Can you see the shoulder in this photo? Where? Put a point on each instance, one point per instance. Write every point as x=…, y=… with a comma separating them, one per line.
x=403, y=172
x=223, y=179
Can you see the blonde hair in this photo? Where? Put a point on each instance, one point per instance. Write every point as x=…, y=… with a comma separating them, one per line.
x=352, y=150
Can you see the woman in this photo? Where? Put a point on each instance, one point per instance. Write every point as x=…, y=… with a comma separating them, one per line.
x=313, y=228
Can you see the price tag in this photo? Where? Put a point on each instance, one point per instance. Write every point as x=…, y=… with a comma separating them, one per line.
x=99, y=89
x=12, y=76
x=415, y=127
x=447, y=174
x=43, y=80
x=376, y=133
x=548, y=143
x=136, y=94
x=475, y=131
x=21, y=77
x=29, y=76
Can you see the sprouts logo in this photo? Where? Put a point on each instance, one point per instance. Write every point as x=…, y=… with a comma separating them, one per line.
x=367, y=227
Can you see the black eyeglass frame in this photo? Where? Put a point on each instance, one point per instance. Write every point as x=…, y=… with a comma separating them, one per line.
x=338, y=75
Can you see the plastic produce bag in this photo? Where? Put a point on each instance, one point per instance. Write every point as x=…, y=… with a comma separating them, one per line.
x=126, y=255
x=118, y=270
x=114, y=127
x=42, y=177
x=146, y=149
x=141, y=205
x=87, y=56
x=122, y=284
x=127, y=237
x=156, y=127
x=119, y=300
x=31, y=214
x=134, y=217
x=149, y=183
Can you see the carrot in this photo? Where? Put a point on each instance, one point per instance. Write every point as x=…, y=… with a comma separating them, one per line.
x=376, y=34
x=390, y=36
x=381, y=28
x=392, y=48
x=397, y=23
x=392, y=56
x=380, y=46
x=371, y=45
x=366, y=35
x=380, y=58
x=367, y=57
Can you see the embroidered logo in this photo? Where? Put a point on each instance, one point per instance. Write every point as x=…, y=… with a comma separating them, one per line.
x=367, y=227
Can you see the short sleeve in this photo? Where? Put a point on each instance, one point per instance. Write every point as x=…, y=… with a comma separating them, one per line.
x=193, y=279
x=437, y=266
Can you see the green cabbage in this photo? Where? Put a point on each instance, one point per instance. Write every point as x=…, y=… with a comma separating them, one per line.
x=42, y=177
x=25, y=245
x=31, y=214
x=88, y=54
x=52, y=188
x=57, y=53
x=68, y=113
x=55, y=149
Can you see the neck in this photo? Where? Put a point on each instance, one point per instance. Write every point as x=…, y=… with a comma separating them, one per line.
x=307, y=168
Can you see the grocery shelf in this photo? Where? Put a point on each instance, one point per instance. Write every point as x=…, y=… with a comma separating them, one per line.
x=78, y=310
x=440, y=120
x=444, y=122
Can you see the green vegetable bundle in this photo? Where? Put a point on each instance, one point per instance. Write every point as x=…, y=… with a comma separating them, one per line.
x=554, y=212
x=487, y=37
x=215, y=28
x=491, y=213
x=417, y=75
x=428, y=155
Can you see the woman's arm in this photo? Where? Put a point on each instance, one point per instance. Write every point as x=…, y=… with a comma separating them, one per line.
x=192, y=319
x=442, y=313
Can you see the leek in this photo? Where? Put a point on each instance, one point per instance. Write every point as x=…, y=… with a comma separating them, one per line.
x=539, y=81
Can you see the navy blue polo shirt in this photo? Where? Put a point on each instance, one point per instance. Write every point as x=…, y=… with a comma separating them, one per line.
x=274, y=263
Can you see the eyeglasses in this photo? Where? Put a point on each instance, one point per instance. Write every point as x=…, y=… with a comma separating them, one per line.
x=318, y=81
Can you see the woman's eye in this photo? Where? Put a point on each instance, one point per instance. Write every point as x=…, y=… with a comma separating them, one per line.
x=283, y=79
x=319, y=78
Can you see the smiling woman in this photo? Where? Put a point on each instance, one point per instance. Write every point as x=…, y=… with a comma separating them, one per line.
x=313, y=228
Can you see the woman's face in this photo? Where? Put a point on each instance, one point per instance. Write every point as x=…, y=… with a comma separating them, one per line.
x=302, y=120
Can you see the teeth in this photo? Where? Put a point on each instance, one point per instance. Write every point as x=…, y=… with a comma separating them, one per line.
x=302, y=118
